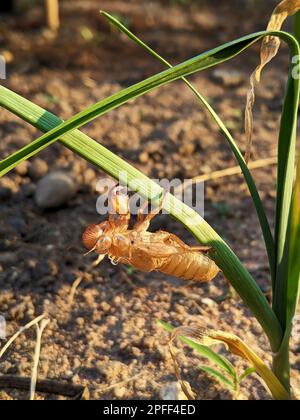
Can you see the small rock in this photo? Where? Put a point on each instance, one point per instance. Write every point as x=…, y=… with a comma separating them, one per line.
x=228, y=78
x=119, y=392
x=173, y=391
x=89, y=176
x=80, y=321
x=69, y=374
x=187, y=149
x=149, y=342
x=8, y=258
x=38, y=169
x=105, y=306
x=22, y=168
x=143, y=157
x=55, y=190
x=209, y=302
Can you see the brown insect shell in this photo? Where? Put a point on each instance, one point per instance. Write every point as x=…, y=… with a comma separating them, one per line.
x=92, y=234
x=120, y=201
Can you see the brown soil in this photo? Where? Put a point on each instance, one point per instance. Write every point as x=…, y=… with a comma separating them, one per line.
x=109, y=334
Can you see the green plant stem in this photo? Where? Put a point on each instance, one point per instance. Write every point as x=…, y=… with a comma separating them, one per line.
x=285, y=296
x=92, y=151
x=296, y=25
x=281, y=361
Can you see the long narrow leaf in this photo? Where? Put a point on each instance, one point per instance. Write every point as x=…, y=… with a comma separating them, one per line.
x=216, y=374
x=248, y=177
x=294, y=248
x=285, y=180
x=296, y=22
x=204, y=351
x=201, y=62
x=246, y=373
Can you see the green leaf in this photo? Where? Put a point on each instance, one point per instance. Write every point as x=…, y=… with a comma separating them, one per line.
x=204, y=351
x=296, y=21
x=293, y=289
x=285, y=179
x=201, y=62
x=216, y=374
x=240, y=159
x=286, y=286
x=246, y=373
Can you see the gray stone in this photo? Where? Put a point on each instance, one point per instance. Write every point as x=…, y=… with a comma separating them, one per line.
x=173, y=391
x=228, y=78
x=55, y=190
x=8, y=258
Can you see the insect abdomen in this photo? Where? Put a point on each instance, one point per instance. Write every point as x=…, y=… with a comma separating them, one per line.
x=190, y=266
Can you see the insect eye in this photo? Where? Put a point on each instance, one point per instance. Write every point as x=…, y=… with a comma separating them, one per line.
x=91, y=235
x=104, y=243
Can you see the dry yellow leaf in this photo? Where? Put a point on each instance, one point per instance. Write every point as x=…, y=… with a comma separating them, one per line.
x=236, y=346
x=269, y=49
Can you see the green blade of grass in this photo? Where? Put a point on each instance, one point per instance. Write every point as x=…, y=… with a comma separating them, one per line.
x=218, y=375
x=293, y=289
x=268, y=238
x=246, y=373
x=296, y=26
x=285, y=177
x=204, y=351
x=287, y=239
x=203, y=61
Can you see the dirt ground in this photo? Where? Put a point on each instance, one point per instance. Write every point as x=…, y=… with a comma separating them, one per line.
x=109, y=335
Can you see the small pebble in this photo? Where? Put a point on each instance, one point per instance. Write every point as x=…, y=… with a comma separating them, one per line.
x=105, y=306
x=38, y=169
x=22, y=168
x=8, y=258
x=143, y=157
x=89, y=176
x=209, y=302
x=187, y=149
x=55, y=190
x=228, y=78
x=119, y=392
x=173, y=391
x=80, y=321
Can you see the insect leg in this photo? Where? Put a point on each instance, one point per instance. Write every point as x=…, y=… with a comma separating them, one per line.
x=143, y=221
x=98, y=260
x=118, y=201
x=200, y=248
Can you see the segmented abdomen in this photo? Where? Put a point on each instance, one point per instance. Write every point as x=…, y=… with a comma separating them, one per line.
x=190, y=266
